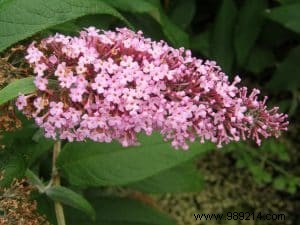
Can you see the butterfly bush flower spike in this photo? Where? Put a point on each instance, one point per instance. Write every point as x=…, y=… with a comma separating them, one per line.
x=111, y=85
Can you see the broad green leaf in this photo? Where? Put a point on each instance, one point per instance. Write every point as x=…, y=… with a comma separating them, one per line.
x=96, y=164
x=287, y=15
x=71, y=198
x=222, y=49
x=259, y=59
x=287, y=76
x=177, y=36
x=21, y=19
x=179, y=14
x=249, y=24
x=23, y=86
x=120, y=211
x=182, y=178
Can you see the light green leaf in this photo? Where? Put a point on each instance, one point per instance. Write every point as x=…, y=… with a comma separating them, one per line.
x=177, y=36
x=120, y=211
x=71, y=198
x=20, y=19
x=96, y=164
x=183, y=178
x=23, y=86
x=287, y=76
x=249, y=24
x=287, y=15
x=222, y=45
x=35, y=180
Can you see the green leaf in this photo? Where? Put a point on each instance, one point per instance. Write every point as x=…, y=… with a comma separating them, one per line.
x=120, y=211
x=95, y=164
x=35, y=180
x=287, y=15
x=222, y=49
x=179, y=14
x=293, y=183
x=289, y=1
x=260, y=175
x=249, y=24
x=260, y=59
x=277, y=148
x=201, y=43
x=45, y=207
x=176, y=35
x=183, y=178
x=21, y=142
x=13, y=167
x=32, y=16
x=23, y=86
x=287, y=76
x=280, y=183
x=71, y=198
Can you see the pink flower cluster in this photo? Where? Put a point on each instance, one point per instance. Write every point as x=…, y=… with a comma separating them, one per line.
x=111, y=85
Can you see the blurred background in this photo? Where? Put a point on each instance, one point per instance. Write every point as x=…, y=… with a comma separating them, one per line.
x=260, y=41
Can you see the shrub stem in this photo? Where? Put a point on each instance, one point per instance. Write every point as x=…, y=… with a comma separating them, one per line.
x=60, y=217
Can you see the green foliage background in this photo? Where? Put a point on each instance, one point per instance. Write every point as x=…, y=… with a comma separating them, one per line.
x=257, y=39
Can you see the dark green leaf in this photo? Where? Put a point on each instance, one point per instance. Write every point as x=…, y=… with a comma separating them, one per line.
x=289, y=1
x=183, y=13
x=260, y=59
x=201, y=43
x=222, y=45
x=71, y=198
x=35, y=150
x=177, y=36
x=248, y=26
x=183, y=178
x=45, y=207
x=120, y=211
x=69, y=28
x=287, y=15
x=287, y=76
x=95, y=164
x=32, y=16
x=23, y=86
x=13, y=167
x=139, y=6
